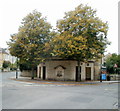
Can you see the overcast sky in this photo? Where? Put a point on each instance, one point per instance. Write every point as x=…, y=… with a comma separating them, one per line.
x=13, y=11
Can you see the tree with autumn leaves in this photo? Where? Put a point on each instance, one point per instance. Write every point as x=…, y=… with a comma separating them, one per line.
x=29, y=43
x=80, y=35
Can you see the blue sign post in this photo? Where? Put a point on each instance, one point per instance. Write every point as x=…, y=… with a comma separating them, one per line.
x=103, y=76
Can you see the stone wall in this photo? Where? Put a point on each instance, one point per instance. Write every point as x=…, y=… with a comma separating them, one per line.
x=114, y=77
x=66, y=70
x=27, y=73
x=69, y=71
x=97, y=71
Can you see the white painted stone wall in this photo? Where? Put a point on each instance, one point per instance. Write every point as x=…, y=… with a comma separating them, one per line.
x=97, y=68
x=69, y=71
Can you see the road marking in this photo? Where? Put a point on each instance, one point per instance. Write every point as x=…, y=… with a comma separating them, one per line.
x=109, y=89
x=115, y=104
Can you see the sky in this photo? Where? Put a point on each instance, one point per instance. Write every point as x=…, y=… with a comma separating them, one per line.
x=13, y=11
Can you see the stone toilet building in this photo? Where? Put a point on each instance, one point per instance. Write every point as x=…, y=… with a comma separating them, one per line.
x=66, y=70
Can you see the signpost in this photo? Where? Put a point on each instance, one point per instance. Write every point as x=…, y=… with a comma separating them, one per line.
x=115, y=66
x=103, y=76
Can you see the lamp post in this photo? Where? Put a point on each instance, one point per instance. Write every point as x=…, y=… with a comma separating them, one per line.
x=101, y=70
x=101, y=38
x=17, y=69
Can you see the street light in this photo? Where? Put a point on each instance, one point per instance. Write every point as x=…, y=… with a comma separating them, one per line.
x=17, y=69
x=101, y=37
x=101, y=70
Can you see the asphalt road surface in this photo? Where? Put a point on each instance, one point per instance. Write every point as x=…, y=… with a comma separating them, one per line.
x=24, y=95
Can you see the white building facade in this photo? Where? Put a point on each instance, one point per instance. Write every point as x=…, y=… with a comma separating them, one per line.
x=66, y=70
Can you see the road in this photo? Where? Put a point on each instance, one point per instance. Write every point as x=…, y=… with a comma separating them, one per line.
x=24, y=95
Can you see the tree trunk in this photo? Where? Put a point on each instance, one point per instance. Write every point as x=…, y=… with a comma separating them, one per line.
x=32, y=77
x=79, y=74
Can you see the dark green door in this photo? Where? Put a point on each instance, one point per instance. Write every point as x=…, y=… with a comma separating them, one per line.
x=88, y=73
x=77, y=72
x=44, y=72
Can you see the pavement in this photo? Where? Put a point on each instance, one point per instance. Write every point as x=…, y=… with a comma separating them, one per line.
x=40, y=81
